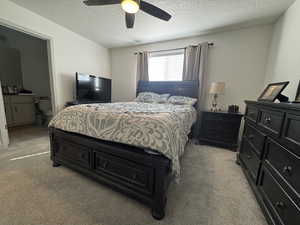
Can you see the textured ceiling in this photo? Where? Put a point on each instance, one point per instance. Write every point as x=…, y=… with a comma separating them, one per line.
x=106, y=25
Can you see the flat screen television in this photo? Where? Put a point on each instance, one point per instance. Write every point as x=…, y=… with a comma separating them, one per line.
x=91, y=89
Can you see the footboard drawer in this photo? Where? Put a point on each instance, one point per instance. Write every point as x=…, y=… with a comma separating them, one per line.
x=130, y=173
x=73, y=152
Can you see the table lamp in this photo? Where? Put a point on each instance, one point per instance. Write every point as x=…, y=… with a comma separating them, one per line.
x=216, y=88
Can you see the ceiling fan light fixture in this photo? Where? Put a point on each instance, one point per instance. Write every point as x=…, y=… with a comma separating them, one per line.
x=130, y=6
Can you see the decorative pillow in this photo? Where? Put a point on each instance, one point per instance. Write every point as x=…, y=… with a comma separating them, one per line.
x=181, y=100
x=163, y=98
x=152, y=97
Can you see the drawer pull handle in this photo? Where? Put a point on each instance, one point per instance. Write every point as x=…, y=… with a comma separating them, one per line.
x=251, y=137
x=105, y=165
x=287, y=169
x=249, y=157
x=280, y=205
x=268, y=120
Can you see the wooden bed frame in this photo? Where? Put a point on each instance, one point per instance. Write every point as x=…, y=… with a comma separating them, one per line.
x=131, y=170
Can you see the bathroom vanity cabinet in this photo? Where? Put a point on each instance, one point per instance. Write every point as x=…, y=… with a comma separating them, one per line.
x=19, y=110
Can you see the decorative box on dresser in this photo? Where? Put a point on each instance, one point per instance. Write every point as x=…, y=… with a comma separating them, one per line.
x=270, y=158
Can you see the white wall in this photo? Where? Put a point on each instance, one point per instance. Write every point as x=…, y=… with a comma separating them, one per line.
x=284, y=57
x=4, y=140
x=71, y=52
x=238, y=57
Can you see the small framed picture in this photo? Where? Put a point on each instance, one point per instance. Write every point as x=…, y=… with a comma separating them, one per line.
x=297, y=100
x=272, y=91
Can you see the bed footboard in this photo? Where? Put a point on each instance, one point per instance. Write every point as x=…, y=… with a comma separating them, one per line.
x=128, y=169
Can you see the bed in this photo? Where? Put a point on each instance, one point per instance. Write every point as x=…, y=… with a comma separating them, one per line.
x=134, y=169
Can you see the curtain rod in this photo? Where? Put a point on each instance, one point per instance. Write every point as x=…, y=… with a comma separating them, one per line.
x=174, y=49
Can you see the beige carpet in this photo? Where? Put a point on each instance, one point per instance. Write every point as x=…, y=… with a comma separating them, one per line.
x=213, y=191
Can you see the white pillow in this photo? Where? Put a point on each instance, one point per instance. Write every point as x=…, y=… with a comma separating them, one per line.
x=182, y=100
x=163, y=98
x=151, y=97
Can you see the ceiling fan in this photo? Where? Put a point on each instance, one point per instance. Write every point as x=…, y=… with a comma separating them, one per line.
x=131, y=7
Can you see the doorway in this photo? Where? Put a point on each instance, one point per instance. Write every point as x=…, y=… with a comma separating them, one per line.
x=27, y=84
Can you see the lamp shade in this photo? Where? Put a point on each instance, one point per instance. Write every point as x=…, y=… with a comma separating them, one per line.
x=217, y=88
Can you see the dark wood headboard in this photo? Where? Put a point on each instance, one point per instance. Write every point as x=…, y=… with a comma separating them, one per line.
x=178, y=88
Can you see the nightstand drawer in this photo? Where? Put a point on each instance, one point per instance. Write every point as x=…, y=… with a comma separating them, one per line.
x=220, y=129
x=255, y=137
x=271, y=122
x=222, y=117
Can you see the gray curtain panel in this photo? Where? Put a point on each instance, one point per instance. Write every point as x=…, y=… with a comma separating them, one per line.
x=142, y=66
x=195, y=68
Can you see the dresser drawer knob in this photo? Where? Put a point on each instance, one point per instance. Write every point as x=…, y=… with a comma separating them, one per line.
x=268, y=120
x=280, y=205
x=134, y=176
x=251, y=137
x=104, y=165
x=287, y=169
x=249, y=157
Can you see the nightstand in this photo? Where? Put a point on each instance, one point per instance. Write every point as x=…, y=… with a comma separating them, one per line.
x=220, y=129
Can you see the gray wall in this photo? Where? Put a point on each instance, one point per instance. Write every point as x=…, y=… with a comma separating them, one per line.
x=34, y=59
x=10, y=67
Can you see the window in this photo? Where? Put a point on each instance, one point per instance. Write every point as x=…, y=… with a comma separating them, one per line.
x=166, y=65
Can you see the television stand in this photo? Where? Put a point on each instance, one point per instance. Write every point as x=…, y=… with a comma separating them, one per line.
x=72, y=103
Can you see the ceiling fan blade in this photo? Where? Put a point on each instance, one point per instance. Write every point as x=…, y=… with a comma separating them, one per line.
x=129, y=17
x=154, y=11
x=101, y=2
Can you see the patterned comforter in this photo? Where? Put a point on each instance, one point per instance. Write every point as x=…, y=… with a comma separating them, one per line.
x=160, y=127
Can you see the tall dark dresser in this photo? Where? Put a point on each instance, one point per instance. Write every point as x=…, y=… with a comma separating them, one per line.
x=270, y=158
